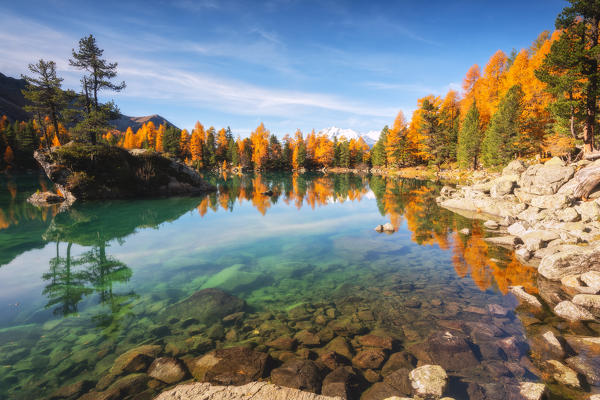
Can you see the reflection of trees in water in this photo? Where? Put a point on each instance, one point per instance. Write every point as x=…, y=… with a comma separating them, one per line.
x=94, y=272
x=67, y=283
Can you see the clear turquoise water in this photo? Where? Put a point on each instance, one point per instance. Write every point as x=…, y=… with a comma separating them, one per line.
x=80, y=287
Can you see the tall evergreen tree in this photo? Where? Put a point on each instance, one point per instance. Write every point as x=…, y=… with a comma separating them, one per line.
x=378, y=157
x=100, y=74
x=45, y=97
x=469, y=139
x=572, y=70
x=499, y=143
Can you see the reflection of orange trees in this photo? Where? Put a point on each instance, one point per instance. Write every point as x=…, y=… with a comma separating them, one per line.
x=16, y=210
x=259, y=200
x=473, y=257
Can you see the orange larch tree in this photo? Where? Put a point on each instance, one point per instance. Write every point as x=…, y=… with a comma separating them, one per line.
x=260, y=146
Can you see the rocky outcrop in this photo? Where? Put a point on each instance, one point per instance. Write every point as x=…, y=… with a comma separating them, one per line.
x=253, y=390
x=545, y=211
x=86, y=172
x=570, y=262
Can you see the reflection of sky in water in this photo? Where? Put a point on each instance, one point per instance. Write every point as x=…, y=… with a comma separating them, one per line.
x=192, y=240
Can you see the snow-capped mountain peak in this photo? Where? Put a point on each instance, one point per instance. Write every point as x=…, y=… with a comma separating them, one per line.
x=334, y=132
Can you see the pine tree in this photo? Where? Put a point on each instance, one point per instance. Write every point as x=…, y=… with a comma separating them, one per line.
x=378, y=158
x=45, y=97
x=500, y=140
x=469, y=139
x=88, y=57
x=572, y=70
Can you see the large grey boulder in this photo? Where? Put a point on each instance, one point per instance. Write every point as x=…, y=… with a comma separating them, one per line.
x=570, y=262
x=545, y=179
x=515, y=167
x=589, y=210
x=551, y=201
x=502, y=186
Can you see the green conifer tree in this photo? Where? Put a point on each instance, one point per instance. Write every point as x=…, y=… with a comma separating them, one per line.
x=499, y=143
x=469, y=140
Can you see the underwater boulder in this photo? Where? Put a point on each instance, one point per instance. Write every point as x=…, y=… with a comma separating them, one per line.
x=206, y=305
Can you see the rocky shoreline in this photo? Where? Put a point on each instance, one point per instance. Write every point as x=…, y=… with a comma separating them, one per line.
x=541, y=212
x=538, y=211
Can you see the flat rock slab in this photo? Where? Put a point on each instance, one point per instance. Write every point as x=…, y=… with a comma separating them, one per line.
x=253, y=390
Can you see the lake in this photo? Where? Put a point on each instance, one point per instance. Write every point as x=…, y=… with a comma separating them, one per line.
x=79, y=288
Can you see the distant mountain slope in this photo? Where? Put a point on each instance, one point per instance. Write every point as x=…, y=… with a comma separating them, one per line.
x=135, y=123
x=11, y=98
x=12, y=103
x=370, y=137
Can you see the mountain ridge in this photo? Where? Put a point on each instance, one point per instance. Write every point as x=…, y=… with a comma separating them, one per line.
x=369, y=137
x=12, y=103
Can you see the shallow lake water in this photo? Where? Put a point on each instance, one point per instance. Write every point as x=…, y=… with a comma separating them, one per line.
x=78, y=288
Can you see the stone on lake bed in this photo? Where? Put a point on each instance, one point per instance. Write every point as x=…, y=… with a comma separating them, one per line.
x=563, y=374
x=371, y=358
x=524, y=297
x=298, y=374
x=340, y=382
x=465, y=231
x=206, y=305
x=167, y=370
x=231, y=366
x=135, y=360
x=383, y=342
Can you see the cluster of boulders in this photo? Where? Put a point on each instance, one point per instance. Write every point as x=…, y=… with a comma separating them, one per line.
x=334, y=350
x=539, y=211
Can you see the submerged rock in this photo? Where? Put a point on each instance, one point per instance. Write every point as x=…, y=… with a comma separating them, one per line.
x=369, y=359
x=298, y=374
x=341, y=382
x=167, y=370
x=563, y=374
x=231, y=366
x=207, y=306
x=135, y=360
x=525, y=297
x=452, y=351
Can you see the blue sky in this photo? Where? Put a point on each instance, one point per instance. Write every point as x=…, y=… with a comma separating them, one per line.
x=288, y=63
